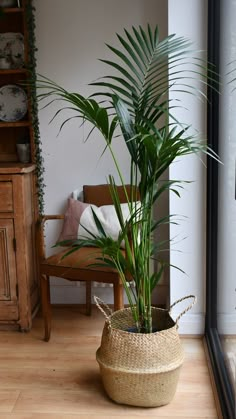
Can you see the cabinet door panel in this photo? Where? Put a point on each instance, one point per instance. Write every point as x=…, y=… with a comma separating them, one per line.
x=6, y=199
x=8, y=295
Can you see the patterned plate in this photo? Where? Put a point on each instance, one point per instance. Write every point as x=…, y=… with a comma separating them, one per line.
x=12, y=48
x=13, y=103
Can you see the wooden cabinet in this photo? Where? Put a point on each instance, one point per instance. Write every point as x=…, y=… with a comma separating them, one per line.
x=19, y=295
x=18, y=271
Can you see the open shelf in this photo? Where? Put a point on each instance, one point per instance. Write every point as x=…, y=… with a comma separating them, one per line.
x=14, y=124
x=13, y=71
x=12, y=9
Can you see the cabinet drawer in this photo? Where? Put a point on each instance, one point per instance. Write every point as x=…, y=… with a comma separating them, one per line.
x=6, y=197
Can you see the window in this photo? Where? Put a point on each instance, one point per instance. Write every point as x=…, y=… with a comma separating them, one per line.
x=221, y=204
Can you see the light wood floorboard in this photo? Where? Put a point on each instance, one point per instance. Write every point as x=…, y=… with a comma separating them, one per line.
x=60, y=379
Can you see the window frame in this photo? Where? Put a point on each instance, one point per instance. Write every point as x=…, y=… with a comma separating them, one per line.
x=216, y=355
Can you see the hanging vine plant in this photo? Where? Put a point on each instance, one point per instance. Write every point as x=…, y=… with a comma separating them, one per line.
x=31, y=66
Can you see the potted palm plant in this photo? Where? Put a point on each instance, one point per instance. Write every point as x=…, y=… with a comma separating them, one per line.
x=133, y=102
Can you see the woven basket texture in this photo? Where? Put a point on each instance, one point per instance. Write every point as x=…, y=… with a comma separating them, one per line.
x=140, y=369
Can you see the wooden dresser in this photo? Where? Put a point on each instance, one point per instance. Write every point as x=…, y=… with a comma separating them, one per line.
x=19, y=293
x=19, y=289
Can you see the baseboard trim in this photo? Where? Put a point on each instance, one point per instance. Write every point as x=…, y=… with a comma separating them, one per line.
x=192, y=324
x=226, y=324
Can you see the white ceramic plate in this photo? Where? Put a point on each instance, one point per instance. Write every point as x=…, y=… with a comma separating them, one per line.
x=13, y=103
x=12, y=48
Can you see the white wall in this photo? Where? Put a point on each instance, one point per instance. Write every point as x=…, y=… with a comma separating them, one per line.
x=70, y=38
x=188, y=18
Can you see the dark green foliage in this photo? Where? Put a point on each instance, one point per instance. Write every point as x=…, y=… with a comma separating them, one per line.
x=31, y=66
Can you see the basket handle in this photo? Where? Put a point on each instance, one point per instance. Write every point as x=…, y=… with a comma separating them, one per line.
x=186, y=309
x=100, y=304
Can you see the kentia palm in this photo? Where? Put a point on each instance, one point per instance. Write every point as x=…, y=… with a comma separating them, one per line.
x=135, y=102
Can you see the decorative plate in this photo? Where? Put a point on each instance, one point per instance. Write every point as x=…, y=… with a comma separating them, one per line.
x=7, y=3
x=12, y=48
x=13, y=103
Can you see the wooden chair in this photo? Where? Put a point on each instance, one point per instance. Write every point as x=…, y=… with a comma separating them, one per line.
x=74, y=267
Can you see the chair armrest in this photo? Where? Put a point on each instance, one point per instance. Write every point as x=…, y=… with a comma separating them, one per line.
x=45, y=218
x=40, y=229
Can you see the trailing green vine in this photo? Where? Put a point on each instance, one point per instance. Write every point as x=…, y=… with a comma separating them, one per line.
x=31, y=65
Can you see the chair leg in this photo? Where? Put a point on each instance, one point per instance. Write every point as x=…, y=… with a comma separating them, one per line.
x=88, y=297
x=46, y=305
x=118, y=292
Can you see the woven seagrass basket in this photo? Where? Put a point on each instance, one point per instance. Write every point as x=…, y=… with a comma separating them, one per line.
x=140, y=369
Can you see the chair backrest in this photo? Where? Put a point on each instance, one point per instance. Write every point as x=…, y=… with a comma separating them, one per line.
x=100, y=194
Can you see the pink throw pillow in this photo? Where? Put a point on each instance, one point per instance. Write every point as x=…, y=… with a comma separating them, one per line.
x=73, y=214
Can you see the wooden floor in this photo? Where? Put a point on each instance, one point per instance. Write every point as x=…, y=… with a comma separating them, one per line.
x=61, y=380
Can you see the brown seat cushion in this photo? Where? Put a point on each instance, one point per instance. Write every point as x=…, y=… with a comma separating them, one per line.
x=76, y=267
x=81, y=258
